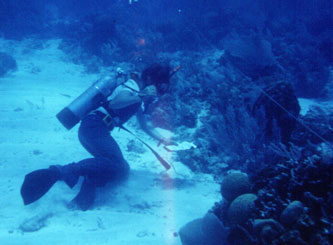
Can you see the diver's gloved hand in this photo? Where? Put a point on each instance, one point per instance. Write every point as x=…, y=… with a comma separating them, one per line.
x=148, y=94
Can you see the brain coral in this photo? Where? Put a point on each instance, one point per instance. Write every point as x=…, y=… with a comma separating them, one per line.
x=241, y=208
x=235, y=184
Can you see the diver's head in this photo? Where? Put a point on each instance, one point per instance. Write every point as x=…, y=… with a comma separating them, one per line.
x=157, y=75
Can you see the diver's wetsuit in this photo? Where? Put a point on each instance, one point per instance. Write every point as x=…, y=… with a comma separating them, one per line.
x=108, y=164
x=95, y=137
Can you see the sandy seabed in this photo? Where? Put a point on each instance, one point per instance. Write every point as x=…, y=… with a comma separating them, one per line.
x=149, y=208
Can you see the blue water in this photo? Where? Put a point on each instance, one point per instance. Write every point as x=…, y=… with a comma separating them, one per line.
x=243, y=66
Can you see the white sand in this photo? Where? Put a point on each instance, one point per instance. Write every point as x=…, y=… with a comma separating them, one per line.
x=148, y=209
x=314, y=104
x=305, y=105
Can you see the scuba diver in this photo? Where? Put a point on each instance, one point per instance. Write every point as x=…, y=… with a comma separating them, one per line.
x=107, y=104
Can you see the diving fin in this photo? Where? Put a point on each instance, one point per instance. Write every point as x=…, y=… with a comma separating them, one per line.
x=37, y=183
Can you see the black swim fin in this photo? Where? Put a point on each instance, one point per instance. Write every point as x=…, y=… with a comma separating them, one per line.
x=37, y=183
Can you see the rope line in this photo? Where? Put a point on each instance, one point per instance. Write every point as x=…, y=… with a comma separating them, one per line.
x=299, y=121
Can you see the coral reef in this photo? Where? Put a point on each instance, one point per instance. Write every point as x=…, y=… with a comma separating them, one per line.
x=292, y=205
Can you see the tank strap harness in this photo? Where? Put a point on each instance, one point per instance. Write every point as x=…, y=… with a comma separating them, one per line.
x=111, y=120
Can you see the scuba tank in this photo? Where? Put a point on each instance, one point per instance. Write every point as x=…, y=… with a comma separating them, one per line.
x=89, y=100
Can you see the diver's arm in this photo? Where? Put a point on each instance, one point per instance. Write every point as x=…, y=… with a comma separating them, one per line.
x=151, y=131
x=147, y=126
x=124, y=99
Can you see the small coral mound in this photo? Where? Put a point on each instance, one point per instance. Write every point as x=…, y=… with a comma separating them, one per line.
x=267, y=229
x=206, y=230
x=292, y=213
x=235, y=184
x=241, y=208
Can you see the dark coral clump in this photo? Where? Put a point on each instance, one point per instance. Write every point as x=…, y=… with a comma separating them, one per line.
x=7, y=64
x=275, y=100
